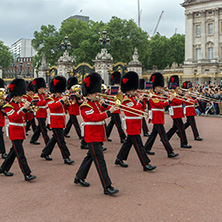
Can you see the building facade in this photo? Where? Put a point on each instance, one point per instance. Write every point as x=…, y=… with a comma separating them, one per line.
x=203, y=41
x=22, y=48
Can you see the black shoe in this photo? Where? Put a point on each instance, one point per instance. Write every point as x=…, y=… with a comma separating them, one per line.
x=121, y=163
x=47, y=157
x=6, y=173
x=4, y=155
x=109, y=140
x=198, y=138
x=149, y=152
x=68, y=161
x=104, y=149
x=172, y=155
x=123, y=141
x=48, y=127
x=83, y=183
x=146, y=134
x=110, y=190
x=84, y=147
x=27, y=134
x=29, y=177
x=186, y=146
x=67, y=136
x=34, y=142
x=149, y=167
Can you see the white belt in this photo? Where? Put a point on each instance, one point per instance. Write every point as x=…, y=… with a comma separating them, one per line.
x=162, y=110
x=17, y=124
x=57, y=114
x=42, y=107
x=189, y=106
x=180, y=106
x=133, y=117
x=89, y=123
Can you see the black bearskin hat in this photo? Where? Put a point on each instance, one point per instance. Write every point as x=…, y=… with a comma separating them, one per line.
x=72, y=81
x=115, y=78
x=2, y=83
x=30, y=86
x=129, y=81
x=91, y=84
x=58, y=84
x=174, y=79
x=142, y=84
x=157, y=79
x=186, y=85
x=17, y=87
x=38, y=83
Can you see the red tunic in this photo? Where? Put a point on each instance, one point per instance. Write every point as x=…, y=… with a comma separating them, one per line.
x=42, y=104
x=133, y=121
x=177, y=108
x=189, y=107
x=2, y=119
x=157, y=109
x=94, y=125
x=74, y=106
x=57, y=110
x=17, y=120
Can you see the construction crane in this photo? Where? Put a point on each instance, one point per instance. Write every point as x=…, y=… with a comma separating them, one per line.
x=158, y=23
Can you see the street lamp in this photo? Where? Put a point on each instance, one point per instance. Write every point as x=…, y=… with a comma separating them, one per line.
x=66, y=44
x=104, y=39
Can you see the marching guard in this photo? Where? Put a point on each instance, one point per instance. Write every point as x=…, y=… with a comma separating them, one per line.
x=156, y=115
x=93, y=115
x=58, y=105
x=17, y=114
x=129, y=85
x=176, y=113
x=190, y=112
x=75, y=102
x=40, y=101
x=115, y=118
x=2, y=119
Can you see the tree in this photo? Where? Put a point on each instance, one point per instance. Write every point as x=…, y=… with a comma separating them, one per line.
x=46, y=42
x=6, y=57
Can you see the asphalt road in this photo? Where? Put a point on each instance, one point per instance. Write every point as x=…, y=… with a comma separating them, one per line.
x=187, y=188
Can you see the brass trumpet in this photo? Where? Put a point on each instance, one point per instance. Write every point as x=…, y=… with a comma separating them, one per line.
x=32, y=107
x=2, y=96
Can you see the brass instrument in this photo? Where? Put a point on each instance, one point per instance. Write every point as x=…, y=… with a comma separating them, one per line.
x=117, y=100
x=103, y=88
x=31, y=107
x=2, y=96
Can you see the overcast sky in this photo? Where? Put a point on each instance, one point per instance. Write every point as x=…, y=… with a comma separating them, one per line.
x=20, y=18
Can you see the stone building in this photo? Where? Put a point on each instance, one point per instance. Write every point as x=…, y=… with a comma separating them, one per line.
x=203, y=41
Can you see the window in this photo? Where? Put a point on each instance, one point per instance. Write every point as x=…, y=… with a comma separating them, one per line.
x=210, y=29
x=207, y=70
x=198, y=54
x=198, y=30
x=210, y=53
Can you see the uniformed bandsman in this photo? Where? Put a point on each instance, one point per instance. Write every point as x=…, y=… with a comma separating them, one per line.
x=17, y=114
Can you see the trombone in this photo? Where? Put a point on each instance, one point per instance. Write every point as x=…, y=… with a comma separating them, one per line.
x=117, y=100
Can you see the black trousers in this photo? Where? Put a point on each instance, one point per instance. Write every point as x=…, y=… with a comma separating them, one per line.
x=16, y=151
x=158, y=129
x=178, y=125
x=2, y=143
x=30, y=123
x=95, y=154
x=144, y=126
x=115, y=120
x=191, y=122
x=73, y=120
x=58, y=137
x=41, y=128
x=136, y=141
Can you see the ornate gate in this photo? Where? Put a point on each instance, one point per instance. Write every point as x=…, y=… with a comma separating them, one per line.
x=81, y=71
x=51, y=73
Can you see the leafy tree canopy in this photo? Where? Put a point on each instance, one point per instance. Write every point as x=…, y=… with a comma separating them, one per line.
x=6, y=57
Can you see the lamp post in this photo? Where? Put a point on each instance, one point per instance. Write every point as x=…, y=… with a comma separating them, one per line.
x=104, y=39
x=66, y=45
